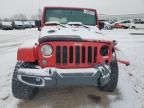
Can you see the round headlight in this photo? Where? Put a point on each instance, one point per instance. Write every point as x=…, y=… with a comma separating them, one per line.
x=46, y=50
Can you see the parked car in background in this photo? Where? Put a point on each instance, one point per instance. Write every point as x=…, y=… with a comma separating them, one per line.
x=18, y=25
x=0, y=24
x=125, y=24
x=27, y=24
x=7, y=25
x=33, y=24
x=137, y=25
x=107, y=25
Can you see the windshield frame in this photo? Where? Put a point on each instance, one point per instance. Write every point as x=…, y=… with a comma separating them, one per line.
x=45, y=9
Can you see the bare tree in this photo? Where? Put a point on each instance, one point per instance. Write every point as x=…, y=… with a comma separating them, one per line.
x=19, y=17
x=35, y=17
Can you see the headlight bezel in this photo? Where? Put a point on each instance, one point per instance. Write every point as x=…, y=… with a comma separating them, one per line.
x=45, y=53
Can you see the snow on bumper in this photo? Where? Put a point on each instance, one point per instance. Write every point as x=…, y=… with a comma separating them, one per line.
x=56, y=77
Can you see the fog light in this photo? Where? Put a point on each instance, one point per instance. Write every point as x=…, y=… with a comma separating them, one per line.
x=44, y=62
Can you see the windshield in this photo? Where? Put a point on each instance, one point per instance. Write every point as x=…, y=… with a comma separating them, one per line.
x=63, y=16
x=7, y=23
x=18, y=23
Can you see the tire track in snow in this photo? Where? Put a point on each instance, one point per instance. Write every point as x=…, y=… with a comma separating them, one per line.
x=85, y=97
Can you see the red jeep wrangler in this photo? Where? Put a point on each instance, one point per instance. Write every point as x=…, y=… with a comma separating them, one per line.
x=71, y=51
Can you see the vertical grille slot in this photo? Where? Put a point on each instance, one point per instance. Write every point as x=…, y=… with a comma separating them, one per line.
x=89, y=54
x=71, y=54
x=83, y=54
x=64, y=56
x=58, y=55
x=95, y=54
x=77, y=54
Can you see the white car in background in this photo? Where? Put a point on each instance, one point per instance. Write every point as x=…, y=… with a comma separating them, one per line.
x=138, y=25
x=107, y=25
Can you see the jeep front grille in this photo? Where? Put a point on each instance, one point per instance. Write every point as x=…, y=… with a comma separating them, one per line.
x=76, y=55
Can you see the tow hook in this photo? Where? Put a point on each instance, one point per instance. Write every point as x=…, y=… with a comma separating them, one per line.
x=105, y=72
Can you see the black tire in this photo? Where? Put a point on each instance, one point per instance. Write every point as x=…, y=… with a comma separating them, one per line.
x=133, y=27
x=106, y=28
x=19, y=89
x=125, y=27
x=112, y=84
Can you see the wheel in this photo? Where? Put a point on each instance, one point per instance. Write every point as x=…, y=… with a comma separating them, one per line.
x=20, y=90
x=133, y=27
x=112, y=84
x=125, y=27
x=2, y=28
x=107, y=28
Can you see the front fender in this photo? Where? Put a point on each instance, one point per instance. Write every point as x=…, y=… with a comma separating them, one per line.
x=27, y=54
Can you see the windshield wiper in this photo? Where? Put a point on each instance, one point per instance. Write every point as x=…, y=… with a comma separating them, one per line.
x=78, y=24
x=55, y=23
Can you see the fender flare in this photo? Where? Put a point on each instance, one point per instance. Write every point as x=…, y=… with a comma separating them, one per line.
x=27, y=54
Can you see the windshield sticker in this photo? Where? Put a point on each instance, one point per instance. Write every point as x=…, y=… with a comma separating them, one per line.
x=89, y=12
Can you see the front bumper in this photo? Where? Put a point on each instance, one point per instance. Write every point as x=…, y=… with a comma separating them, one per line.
x=7, y=27
x=56, y=77
x=19, y=27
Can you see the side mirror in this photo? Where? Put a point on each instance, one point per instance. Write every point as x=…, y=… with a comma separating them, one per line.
x=38, y=24
x=101, y=25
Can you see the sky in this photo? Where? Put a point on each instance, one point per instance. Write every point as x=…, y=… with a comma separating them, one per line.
x=109, y=7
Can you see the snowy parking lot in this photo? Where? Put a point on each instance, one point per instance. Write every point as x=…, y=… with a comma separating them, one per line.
x=129, y=93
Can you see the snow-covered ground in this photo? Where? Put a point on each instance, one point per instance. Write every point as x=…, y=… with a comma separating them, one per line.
x=129, y=93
